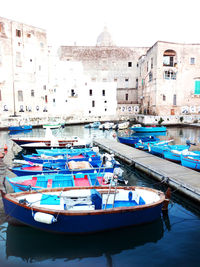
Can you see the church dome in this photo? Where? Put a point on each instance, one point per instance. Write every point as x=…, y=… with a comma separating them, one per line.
x=104, y=39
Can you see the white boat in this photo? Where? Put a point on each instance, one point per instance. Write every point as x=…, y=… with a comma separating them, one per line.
x=106, y=126
x=121, y=126
x=49, y=140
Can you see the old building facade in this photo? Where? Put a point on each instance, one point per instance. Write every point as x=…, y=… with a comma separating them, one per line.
x=23, y=68
x=169, y=79
x=107, y=64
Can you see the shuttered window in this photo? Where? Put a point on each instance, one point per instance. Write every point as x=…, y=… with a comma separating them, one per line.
x=197, y=88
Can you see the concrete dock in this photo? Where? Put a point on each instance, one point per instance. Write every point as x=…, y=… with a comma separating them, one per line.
x=184, y=180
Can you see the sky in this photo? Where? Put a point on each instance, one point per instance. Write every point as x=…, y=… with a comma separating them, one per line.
x=130, y=22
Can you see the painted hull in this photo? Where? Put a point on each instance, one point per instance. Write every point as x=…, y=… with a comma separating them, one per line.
x=26, y=183
x=83, y=222
x=160, y=149
x=20, y=128
x=149, y=129
x=65, y=151
x=19, y=171
x=192, y=163
x=175, y=157
x=63, y=161
x=134, y=140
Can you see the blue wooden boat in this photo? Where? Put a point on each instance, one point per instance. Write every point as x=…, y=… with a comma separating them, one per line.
x=32, y=182
x=61, y=159
x=191, y=161
x=132, y=140
x=175, y=154
x=158, y=149
x=84, y=210
x=68, y=168
x=66, y=151
x=150, y=129
x=145, y=145
x=20, y=128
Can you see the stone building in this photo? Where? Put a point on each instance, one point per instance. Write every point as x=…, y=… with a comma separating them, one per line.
x=23, y=68
x=169, y=79
x=106, y=63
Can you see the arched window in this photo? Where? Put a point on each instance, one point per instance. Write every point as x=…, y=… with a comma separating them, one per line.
x=169, y=58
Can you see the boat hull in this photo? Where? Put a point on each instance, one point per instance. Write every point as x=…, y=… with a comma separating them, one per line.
x=68, y=222
x=148, y=129
x=192, y=163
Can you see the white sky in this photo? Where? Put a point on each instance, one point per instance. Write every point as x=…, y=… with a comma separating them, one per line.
x=130, y=22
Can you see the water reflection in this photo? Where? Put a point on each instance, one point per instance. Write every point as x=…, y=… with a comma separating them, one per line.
x=30, y=244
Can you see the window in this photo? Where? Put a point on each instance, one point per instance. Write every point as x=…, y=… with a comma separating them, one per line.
x=197, y=87
x=115, y=79
x=126, y=79
x=20, y=95
x=150, y=76
x=93, y=103
x=18, y=33
x=129, y=64
x=164, y=98
x=192, y=60
x=151, y=63
x=126, y=97
x=46, y=99
x=103, y=92
x=18, y=59
x=136, y=83
x=28, y=35
x=44, y=87
x=32, y=93
x=169, y=58
x=170, y=75
x=90, y=92
x=174, y=100
x=72, y=92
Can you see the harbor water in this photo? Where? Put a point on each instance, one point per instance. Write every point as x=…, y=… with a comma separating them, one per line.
x=173, y=240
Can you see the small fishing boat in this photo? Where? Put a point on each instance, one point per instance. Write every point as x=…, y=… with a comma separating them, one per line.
x=191, y=161
x=48, y=141
x=31, y=182
x=54, y=125
x=20, y=128
x=83, y=210
x=151, y=129
x=68, y=151
x=107, y=164
x=175, y=154
x=61, y=159
x=132, y=140
x=121, y=126
x=93, y=125
x=106, y=126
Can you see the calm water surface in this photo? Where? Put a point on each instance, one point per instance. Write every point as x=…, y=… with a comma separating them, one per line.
x=173, y=240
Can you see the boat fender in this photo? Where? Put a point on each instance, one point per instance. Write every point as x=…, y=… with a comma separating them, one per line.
x=44, y=218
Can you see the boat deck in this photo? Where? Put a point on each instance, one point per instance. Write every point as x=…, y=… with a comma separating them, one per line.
x=185, y=180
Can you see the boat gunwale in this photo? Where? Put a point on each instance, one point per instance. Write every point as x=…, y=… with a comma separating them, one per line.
x=12, y=198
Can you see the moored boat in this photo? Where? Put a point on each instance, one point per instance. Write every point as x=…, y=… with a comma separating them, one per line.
x=85, y=210
x=132, y=140
x=32, y=182
x=20, y=128
x=151, y=129
x=175, y=154
x=191, y=161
